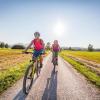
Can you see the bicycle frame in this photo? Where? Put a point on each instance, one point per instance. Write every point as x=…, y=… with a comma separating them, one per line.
x=32, y=68
x=36, y=64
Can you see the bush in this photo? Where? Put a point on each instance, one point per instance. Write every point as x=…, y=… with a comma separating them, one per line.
x=17, y=46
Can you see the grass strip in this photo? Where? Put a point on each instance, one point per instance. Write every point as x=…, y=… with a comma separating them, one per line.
x=92, y=76
x=10, y=76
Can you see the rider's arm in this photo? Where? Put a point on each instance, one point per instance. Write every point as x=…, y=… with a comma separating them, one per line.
x=28, y=46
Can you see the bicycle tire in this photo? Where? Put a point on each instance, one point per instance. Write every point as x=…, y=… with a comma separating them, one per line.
x=54, y=64
x=29, y=68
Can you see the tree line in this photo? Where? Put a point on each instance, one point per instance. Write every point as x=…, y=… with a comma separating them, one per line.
x=4, y=45
x=89, y=48
x=48, y=47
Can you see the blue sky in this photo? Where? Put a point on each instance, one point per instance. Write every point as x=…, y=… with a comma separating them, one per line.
x=79, y=19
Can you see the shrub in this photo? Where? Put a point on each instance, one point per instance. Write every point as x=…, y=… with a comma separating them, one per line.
x=18, y=46
x=90, y=47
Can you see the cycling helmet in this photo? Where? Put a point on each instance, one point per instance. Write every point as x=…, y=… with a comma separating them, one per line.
x=36, y=34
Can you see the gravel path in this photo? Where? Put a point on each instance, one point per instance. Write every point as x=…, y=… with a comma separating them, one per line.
x=65, y=84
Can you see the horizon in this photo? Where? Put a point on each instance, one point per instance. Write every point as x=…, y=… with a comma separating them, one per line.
x=74, y=23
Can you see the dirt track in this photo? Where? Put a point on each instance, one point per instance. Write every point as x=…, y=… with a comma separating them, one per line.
x=65, y=84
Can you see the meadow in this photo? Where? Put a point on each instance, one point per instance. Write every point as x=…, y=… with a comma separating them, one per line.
x=91, y=56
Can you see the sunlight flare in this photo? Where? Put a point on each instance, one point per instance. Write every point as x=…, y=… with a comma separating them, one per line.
x=59, y=28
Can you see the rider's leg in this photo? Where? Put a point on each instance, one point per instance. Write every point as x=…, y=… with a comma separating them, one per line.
x=41, y=58
x=56, y=55
x=34, y=55
x=41, y=61
x=52, y=55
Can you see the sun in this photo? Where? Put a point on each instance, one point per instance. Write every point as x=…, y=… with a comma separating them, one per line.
x=59, y=28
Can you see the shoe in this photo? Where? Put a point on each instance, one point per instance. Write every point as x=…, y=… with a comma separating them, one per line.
x=57, y=63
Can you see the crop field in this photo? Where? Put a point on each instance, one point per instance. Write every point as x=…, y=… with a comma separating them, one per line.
x=91, y=56
x=12, y=67
x=10, y=58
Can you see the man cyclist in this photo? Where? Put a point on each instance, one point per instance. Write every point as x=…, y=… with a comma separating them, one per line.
x=38, y=47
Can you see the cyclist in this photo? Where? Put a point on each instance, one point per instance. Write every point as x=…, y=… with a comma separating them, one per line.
x=55, y=49
x=38, y=45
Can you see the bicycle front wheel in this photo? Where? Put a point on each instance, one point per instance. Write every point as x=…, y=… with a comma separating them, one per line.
x=28, y=78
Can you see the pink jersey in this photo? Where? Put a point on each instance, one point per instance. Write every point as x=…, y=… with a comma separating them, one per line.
x=55, y=47
x=38, y=44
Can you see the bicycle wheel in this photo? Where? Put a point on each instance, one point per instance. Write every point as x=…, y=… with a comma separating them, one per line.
x=28, y=78
x=54, y=63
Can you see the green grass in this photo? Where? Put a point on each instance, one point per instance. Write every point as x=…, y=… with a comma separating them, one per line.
x=11, y=71
x=10, y=76
x=92, y=76
x=93, y=56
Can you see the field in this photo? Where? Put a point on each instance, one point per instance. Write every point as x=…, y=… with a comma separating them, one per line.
x=10, y=58
x=83, y=69
x=12, y=67
x=90, y=56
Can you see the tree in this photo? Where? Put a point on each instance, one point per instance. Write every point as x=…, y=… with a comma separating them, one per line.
x=48, y=46
x=70, y=48
x=6, y=45
x=90, y=47
x=2, y=45
x=18, y=46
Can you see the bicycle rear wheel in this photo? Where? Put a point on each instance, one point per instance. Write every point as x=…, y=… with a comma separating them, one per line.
x=55, y=62
x=28, y=78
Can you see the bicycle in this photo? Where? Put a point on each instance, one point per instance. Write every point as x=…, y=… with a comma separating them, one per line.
x=33, y=67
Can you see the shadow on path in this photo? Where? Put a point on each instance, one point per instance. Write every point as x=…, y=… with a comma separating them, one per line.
x=50, y=92
x=21, y=95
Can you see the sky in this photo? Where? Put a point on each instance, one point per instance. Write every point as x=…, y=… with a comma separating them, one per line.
x=72, y=22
